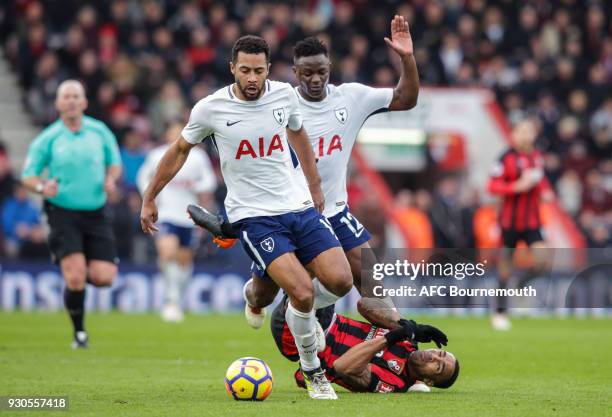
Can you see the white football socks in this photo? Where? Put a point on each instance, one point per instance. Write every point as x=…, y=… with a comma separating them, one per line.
x=322, y=296
x=302, y=327
x=184, y=275
x=171, y=275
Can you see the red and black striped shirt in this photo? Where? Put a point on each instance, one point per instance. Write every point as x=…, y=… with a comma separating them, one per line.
x=388, y=367
x=520, y=211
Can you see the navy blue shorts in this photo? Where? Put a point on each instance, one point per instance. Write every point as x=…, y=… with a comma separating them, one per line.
x=306, y=233
x=184, y=234
x=349, y=231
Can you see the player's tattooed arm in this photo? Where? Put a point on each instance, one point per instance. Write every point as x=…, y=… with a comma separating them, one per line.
x=170, y=164
x=406, y=92
x=379, y=312
x=353, y=367
x=300, y=143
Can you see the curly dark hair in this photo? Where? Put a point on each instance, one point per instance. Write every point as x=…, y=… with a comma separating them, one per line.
x=250, y=44
x=310, y=46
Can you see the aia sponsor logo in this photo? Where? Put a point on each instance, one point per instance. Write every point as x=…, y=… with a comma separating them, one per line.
x=260, y=149
x=335, y=144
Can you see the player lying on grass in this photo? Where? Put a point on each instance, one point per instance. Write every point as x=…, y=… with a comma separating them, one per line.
x=366, y=358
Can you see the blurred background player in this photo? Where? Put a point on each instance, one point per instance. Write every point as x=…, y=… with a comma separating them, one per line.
x=252, y=122
x=83, y=163
x=193, y=184
x=363, y=357
x=519, y=179
x=333, y=116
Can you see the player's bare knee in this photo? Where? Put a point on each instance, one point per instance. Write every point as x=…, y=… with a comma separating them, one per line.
x=260, y=298
x=302, y=297
x=342, y=283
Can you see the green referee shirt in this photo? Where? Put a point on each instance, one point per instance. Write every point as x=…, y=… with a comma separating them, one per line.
x=77, y=160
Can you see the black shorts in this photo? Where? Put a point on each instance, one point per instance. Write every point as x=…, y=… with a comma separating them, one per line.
x=511, y=237
x=86, y=231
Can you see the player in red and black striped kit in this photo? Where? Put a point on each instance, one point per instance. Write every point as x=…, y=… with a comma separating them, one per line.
x=366, y=358
x=519, y=179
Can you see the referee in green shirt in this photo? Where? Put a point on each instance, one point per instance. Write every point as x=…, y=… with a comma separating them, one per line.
x=83, y=163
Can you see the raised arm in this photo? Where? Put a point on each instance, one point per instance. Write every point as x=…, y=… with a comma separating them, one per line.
x=298, y=139
x=170, y=164
x=380, y=312
x=406, y=92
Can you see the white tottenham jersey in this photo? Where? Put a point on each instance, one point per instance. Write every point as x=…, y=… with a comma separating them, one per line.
x=332, y=126
x=196, y=176
x=251, y=138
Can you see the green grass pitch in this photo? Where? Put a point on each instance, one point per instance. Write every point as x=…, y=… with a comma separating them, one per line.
x=139, y=366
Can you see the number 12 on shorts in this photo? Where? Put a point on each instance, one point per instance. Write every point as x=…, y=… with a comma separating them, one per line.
x=353, y=224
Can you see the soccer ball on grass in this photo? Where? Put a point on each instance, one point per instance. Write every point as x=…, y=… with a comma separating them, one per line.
x=249, y=379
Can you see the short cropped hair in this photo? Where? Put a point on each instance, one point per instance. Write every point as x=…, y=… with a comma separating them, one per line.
x=310, y=46
x=250, y=44
x=450, y=381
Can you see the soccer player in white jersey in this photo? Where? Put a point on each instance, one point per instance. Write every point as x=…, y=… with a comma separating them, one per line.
x=252, y=122
x=193, y=184
x=333, y=116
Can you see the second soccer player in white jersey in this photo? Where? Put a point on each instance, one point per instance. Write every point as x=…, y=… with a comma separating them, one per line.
x=193, y=184
x=252, y=122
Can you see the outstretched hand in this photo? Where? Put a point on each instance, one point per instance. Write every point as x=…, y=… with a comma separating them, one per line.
x=401, y=41
x=148, y=217
x=424, y=333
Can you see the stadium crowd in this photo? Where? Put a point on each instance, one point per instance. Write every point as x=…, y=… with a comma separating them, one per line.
x=144, y=63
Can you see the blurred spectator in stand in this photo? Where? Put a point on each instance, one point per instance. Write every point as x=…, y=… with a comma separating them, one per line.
x=578, y=159
x=132, y=156
x=569, y=192
x=20, y=216
x=413, y=221
x=74, y=46
x=41, y=96
x=596, y=198
x=90, y=74
x=450, y=219
x=7, y=180
x=601, y=129
x=168, y=106
x=599, y=236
